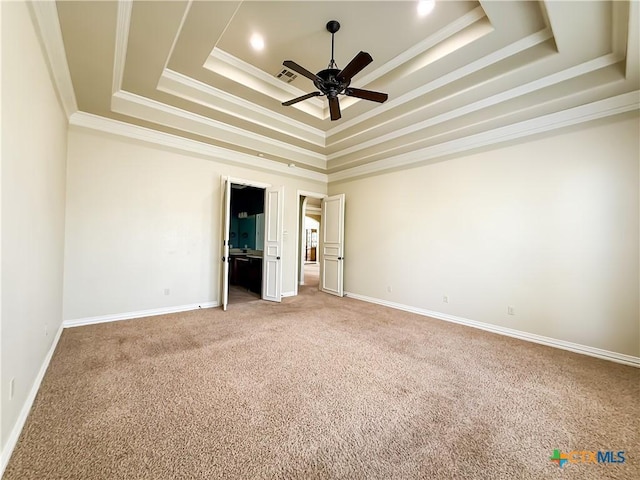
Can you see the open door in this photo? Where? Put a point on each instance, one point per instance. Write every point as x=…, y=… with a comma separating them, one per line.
x=332, y=245
x=272, y=253
x=226, y=215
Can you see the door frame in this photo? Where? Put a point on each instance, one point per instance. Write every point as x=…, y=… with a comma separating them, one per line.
x=238, y=181
x=300, y=226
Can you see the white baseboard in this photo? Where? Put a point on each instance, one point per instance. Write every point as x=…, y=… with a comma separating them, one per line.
x=288, y=294
x=530, y=337
x=14, y=435
x=139, y=314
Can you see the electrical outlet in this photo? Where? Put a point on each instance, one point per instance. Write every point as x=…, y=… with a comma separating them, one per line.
x=167, y=291
x=511, y=310
x=12, y=384
x=445, y=298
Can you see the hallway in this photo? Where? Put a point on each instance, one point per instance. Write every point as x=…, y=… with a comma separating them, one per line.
x=311, y=274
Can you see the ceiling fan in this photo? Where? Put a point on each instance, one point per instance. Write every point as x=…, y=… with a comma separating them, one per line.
x=333, y=82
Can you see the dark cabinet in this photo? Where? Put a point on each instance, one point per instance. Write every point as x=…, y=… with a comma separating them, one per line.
x=246, y=272
x=255, y=275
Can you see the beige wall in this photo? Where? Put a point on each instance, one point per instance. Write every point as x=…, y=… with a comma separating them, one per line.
x=548, y=226
x=141, y=219
x=33, y=195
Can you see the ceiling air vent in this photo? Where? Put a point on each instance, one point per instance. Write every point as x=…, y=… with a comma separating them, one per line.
x=286, y=75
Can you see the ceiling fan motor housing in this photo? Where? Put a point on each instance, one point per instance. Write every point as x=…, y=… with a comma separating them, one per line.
x=330, y=85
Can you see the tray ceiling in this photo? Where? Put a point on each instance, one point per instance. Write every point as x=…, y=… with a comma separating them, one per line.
x=469, y=74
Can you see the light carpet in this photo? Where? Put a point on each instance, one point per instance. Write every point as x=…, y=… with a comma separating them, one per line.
x=320, y=387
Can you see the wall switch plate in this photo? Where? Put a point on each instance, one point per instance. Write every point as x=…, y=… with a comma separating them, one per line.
x=511, y=310
x=167, y=291
x=12, y=384
x=445, y=298
x=389, y=289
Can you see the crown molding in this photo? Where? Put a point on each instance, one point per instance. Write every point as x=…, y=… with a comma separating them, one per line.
x=169, y=79
x=136, y=106
x=47, y=23
x=539, y=84
x=122, y=129
x=626, y=102
x=632, y=42
x=185, y=87
x=482, y=63
x=122, y=38
x=431, y=41
x=225, y=64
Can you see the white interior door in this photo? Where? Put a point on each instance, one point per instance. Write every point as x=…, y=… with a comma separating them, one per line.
x=226, y=216
x=332, y=245
x=272, y=253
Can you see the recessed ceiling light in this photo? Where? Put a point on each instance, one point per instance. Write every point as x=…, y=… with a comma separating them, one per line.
x=425, y=7
x=257, y=42
x=261, y=155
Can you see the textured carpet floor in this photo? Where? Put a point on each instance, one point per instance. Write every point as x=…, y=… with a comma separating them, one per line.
x=311, y=274
x=321, y=387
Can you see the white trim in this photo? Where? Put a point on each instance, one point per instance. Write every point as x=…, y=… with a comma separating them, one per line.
x=488, y=60
x=122, y=39
x=603, y=108
x=311, y=194
x=14, y=435
x=144, y=108
x=530, y=337
x=288, y=294
x=47, y=23
x=180, y=85
x=300, y=193
x=486, y=102
x=157, y=138
x=176, y=37
x=314, y=210
x=431, y=41
x=243, y=181
x=225, y=64
x=79, y=322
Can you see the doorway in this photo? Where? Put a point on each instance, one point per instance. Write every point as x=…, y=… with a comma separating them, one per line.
x=330, y=246
x=309, y=249
x=246, y=243
x=271, y=241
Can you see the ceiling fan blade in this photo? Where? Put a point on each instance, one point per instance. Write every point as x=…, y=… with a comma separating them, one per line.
x=367, y=95
x=301, y=70
x=334, y=108
x=356, y=64
x=299, y=99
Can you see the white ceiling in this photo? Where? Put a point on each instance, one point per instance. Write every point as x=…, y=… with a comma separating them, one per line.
x=468, y=75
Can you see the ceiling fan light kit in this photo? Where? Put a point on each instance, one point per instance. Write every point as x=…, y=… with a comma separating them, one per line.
x=332, y=81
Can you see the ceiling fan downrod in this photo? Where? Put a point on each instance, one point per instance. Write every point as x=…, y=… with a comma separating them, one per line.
x=332, y=27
